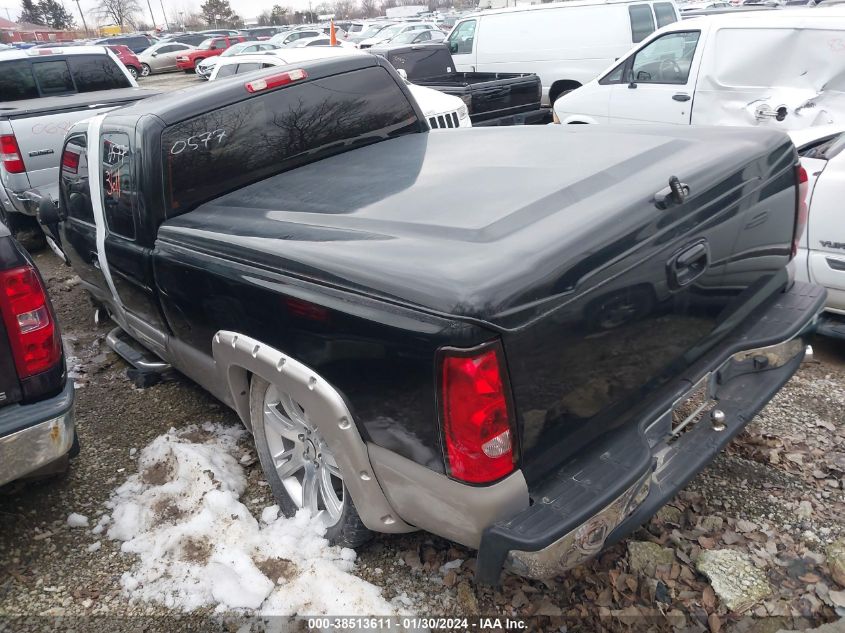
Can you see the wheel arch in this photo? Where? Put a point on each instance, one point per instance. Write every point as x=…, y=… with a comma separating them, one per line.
x=237, y=357
x=561, y=86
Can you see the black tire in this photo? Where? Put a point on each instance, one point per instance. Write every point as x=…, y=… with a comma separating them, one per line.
x=132, y=71
x=349, y=531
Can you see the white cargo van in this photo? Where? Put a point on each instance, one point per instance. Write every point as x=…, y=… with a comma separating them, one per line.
x=783, y=69
x=566, y=43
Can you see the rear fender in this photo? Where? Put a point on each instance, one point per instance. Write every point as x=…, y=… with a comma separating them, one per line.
x=237, y=356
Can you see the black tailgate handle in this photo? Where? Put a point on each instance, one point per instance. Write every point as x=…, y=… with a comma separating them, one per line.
x=688, y=264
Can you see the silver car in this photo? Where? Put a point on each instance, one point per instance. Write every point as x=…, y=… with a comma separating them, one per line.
x=204, y=68
x=161, y=57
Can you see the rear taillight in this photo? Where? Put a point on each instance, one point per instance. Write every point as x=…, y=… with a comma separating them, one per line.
x=801, y=207
x=477, y=429
x=10, y=154
x=274, y=81
x=30, y=324
x=70, y=161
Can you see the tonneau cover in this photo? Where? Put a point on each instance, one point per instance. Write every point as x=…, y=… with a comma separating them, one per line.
x=498, y=225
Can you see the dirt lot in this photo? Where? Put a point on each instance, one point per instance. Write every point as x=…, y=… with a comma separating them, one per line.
x=776, y=497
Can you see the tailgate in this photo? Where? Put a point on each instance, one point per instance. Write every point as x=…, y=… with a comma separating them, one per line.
x=657, y=287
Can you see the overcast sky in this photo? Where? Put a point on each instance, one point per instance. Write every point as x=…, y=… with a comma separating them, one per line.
x=244, y=8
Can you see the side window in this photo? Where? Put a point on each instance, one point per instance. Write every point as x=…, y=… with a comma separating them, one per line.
x=423, y=37
x=169, y=49
x=53, y=77
x=118, y=185
x=642, y=22
x=615, y=76
x=74, y=191
x=462, y=38
x=96, y=72
x=226, y=70
x=666, y=60
x=248, y=68
x=17, y=81
x=665, y=14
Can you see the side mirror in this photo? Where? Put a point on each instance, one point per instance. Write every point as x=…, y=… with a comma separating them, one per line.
x=153, y=54
x=48, y=212
x=453, y=47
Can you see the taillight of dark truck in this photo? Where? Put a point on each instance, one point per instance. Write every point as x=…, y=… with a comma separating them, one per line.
x=30, y=322
x=477, y=414
x=802, y=188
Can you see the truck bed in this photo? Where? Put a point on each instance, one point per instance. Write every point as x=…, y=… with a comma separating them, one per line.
x=555, y=242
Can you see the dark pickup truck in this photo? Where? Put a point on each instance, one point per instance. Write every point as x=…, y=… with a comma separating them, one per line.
x=528, y=352
x=492, y=98
x=37, y=432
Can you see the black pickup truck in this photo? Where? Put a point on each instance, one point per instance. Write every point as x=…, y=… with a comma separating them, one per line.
x=527, y=352
x=492, y=98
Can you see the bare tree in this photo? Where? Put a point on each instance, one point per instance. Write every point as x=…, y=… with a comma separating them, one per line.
x=369, y=8
x=121, y=12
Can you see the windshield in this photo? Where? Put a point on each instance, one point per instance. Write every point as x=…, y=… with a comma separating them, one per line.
x=390, y=31
x=206, y=44
x=405, y=38
x=233, y=50
x=370, y=32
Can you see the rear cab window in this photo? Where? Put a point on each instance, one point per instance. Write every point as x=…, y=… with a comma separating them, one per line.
x=43, y=77
x=223, y=150
x=642, y=21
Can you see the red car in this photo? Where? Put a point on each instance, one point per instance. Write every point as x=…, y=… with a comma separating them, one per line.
x=128, y=58
x=211, y=47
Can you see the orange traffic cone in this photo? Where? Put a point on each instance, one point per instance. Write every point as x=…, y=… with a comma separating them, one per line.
x=332, y=35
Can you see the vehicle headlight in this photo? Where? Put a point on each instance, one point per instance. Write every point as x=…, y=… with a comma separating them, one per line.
x=463, y=112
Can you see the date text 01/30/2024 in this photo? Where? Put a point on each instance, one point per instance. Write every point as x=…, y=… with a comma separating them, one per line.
x=416, y=623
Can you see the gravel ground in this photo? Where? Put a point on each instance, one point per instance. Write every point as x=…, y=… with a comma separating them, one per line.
x=775, y=496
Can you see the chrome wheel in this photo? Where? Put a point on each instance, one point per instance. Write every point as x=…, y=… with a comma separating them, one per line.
x=132, y=72
x=145, y=70
x=307, y=469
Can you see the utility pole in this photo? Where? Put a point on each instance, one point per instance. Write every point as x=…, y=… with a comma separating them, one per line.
x=82, y=15
x=151, y=14
x=164, y=13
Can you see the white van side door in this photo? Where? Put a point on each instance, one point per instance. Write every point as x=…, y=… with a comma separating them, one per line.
x=463, y=44
x=658, y=82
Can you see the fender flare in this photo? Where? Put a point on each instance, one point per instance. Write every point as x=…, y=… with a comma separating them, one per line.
x=236, y=356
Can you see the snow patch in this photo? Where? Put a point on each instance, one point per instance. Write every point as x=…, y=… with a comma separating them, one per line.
x=75, y=520
x=198, y=545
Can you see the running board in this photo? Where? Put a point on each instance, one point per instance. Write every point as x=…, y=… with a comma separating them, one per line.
x=133, y=353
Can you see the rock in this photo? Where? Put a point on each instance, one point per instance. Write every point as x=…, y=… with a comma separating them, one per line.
x=711, y=524
x=644, y=557
x=831, y=627
x=670, y=514
x=735, y=579
x=836, y=560
x=467, y=599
